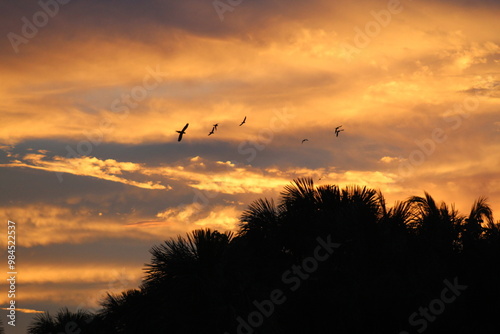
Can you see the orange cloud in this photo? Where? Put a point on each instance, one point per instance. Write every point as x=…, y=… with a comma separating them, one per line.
x=108, y=169
x=24, y=310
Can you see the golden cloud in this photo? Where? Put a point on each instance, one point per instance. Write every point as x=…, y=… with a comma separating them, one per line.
x=108, y=169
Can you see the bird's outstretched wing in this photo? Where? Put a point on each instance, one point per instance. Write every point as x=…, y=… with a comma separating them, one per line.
x=244, y=119
x=182, y=132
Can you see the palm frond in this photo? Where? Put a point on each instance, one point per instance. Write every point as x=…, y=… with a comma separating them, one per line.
x=261, y=216
x=42, y=324
x=481, y=211
x=301, y=189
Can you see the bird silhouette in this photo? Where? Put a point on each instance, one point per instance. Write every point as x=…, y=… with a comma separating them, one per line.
x=182, y=132
x=215, y=126
x=212, y=132
x=303, y=140
x=243, y=121
x=337, y=130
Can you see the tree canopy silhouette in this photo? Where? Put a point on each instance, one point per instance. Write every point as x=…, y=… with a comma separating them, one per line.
x=269, y=277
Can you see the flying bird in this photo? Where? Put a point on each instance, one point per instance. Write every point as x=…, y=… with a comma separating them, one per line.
x=182, y=132
x=215, y=126
x=337, y=130
x=243, y=121
x=303, y=140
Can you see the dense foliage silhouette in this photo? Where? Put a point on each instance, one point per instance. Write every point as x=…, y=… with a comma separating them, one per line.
x=386, y=265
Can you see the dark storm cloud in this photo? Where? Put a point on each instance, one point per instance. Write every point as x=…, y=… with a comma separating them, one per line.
x=126, y=17
x=136, y=19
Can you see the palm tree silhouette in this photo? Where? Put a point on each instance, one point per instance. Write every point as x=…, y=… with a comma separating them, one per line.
x=192, y=270
x=123, y=313
x=184, y=257
x=479, y=214
x=81, y=320
x=438, y=225
x=391, y=261
x=43, y=323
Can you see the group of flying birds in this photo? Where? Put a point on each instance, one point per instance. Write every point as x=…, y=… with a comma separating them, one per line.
x=337, y=131
x=214, y=128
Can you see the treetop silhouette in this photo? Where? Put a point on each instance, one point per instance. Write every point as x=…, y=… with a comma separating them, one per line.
x=391, y=261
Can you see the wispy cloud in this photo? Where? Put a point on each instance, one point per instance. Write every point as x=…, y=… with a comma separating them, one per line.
x=109, y=169
x=24, y=310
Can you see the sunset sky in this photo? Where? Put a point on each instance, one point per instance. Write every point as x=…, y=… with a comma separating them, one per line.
x=93, y=92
